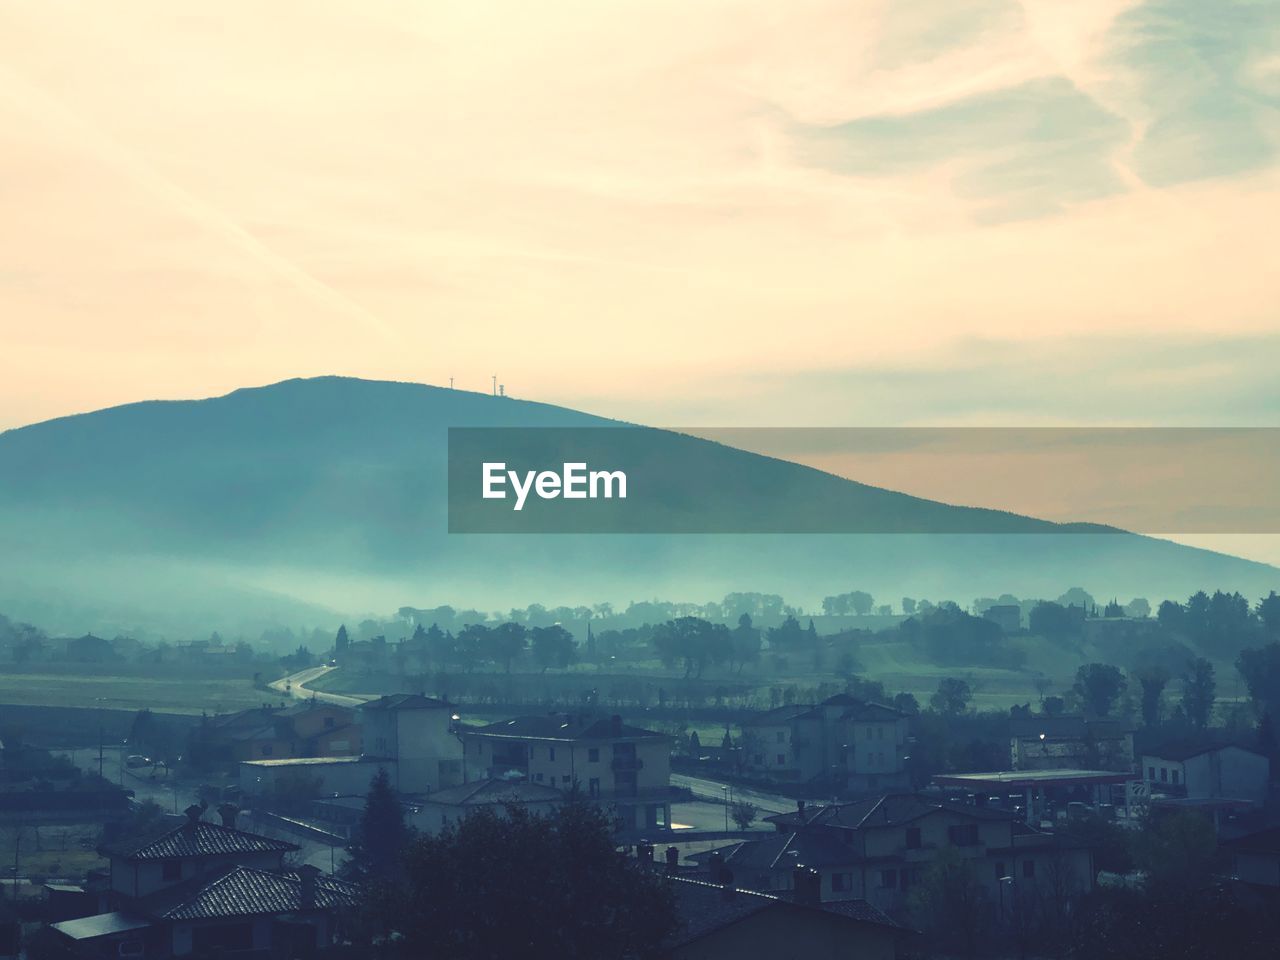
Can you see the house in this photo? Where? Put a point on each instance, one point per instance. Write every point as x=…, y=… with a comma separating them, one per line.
x=420, y=734
x=854, y=744
x=202, y=888
x=310, y=778
x=878, y=849
x=307, y=729
x=1199, y=771
x=718, y=921
x=1008, y=617
x=626, y=768
x=437, y=810
x=90, y=649
x=1070, y=742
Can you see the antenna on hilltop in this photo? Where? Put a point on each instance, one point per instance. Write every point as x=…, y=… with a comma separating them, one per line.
x=502, y=389
x=451, y=383
x=495, y=384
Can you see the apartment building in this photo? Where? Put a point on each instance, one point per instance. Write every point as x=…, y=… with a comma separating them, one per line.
x=853, y=744
x=625, y=768
x=878, y=849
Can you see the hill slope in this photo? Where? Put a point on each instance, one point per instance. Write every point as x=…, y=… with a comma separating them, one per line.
x=275, y=504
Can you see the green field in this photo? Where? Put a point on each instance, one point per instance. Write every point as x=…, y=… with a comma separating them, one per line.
x=56, y=685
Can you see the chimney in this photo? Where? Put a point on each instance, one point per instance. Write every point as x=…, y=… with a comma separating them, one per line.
x=307, y=886
x=673, y=859
x=194, y=813
x=615, y=725
x=800, y=807
x=228, y=812
x=807, y=885
x=726, y=883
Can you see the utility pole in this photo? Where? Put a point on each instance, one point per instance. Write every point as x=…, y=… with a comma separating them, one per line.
x=100, y=751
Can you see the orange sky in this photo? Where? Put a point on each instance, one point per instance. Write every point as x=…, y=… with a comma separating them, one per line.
x=720, y=213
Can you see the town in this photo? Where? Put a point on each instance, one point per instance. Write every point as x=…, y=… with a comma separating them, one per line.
x=721, y=786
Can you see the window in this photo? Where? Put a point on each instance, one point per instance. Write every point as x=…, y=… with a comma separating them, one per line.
x=537, y=777
x=1175, y=776
x=782, y=759
x=879, y=733
x=913, y=838
x=171, y=870
x=593, y=786
x=888, y=879
x=1029, y=869
x=1164, y=774
x=1151, y=773
x=565, y=779
x=839, y=882
x=963, y=834
x=593, y=755
x=551, y=753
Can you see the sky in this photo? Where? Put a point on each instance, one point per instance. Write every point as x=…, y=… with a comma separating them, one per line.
x=947, y=212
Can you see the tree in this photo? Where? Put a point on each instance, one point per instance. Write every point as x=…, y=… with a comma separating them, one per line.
x=1199, y=690
x=950, y=903
x=522, y=885
x=908, y=606
x=1099, y=685
x=743, y=814
x=952, y=697
x=553, y=646
x=1269, y=613
x=860, y=601
x=1139, y=608
x=1153, y=679
x=1054, y=622
x=745, y=643
x=379, y=841
x=504, y=643
x=907, y=703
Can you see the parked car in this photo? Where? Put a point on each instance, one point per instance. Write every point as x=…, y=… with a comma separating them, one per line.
x=137, y=760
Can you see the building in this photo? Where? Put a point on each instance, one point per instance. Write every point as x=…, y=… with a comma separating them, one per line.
x=206, y=889
x=420, y=734
x=721, y=922
x=1040, y=795
x=1070, y=742
x=307, y=729
x=854, y=744
x=1202, y=772
x=878, y=849
x=310, y=778
x=625, y=768
x=437, y=810
x=1008, y=617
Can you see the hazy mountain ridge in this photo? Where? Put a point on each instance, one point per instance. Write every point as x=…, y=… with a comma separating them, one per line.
x=330, y=494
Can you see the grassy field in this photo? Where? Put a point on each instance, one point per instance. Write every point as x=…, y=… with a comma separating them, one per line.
x=83, y=686
x=52, y=851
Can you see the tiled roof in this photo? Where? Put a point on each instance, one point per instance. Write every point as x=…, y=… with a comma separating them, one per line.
x=245, y=892
x=203, y=839
x=704, y=908
x=778, y=715
x=565, y=726
x=482, y=792
x=789, y=850
x=889, y=810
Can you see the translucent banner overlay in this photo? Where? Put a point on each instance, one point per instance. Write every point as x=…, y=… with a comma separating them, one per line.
x=863, y=480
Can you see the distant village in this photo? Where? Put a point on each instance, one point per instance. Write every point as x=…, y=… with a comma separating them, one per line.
x=830, y=815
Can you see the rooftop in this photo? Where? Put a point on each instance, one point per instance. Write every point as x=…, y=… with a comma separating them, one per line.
x=246, y=891
x=704, y=908
x=102, y=925
x=481, y=792
x=406, y=701
x=310, y=761
x=200, y=839
x=1030, y=778
x=566, y=726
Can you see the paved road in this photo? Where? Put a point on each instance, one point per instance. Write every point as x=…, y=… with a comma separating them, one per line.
x=159, y=788
x=295, y=685
x=707, y=789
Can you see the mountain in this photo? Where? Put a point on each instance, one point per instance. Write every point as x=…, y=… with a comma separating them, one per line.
x=296, y=502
